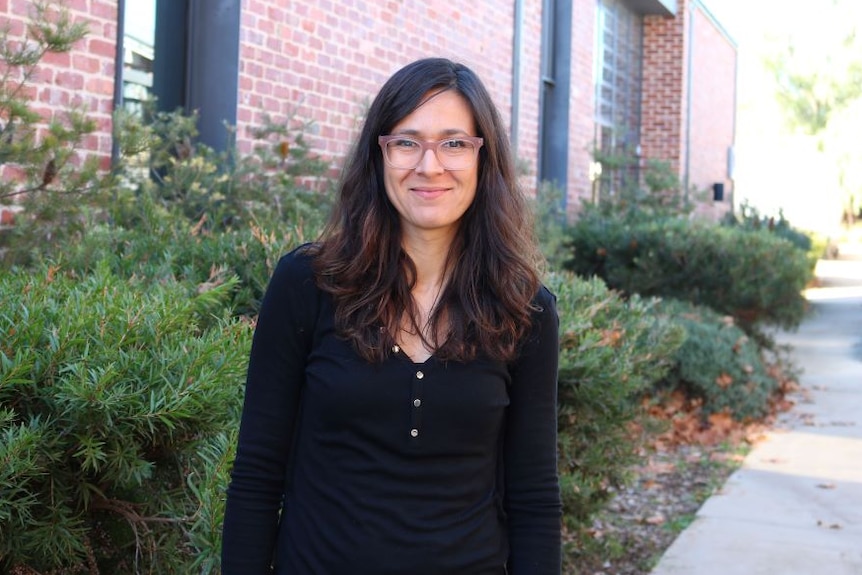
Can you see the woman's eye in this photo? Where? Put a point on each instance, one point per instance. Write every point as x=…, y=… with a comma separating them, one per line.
x=404, y=144
x=456, y=144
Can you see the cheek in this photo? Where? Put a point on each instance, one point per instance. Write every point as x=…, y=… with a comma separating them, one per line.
x=390, y=184
x=472, y=184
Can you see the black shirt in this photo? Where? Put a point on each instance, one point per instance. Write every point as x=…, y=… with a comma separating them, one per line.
x=398, y=467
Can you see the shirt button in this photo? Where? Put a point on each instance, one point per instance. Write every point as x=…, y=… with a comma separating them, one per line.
x=414, y=433
x=419, y=375
x=395, y=349
x=417, y=402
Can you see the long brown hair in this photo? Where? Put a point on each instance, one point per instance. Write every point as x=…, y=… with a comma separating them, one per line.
x=493, y=262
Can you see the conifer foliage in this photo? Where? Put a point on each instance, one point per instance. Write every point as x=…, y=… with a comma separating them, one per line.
x=114, y=395
x=41, y=167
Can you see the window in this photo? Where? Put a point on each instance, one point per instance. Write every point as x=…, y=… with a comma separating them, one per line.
x=153, y=44
x=139, y=31
x=185, y=53
x=617, y=72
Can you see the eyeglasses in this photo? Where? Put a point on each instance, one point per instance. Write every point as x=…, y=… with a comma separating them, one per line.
x=406, y=153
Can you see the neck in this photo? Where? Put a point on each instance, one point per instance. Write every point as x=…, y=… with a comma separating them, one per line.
x=429, y=253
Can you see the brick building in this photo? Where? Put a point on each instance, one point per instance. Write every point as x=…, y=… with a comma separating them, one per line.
x=652, y=78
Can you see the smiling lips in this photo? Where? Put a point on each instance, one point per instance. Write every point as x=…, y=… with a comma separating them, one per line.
x=429, y=193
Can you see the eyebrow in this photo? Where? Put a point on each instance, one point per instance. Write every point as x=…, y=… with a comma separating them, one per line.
x=446, y=133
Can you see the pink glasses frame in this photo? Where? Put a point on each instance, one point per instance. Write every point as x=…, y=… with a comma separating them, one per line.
x=432, y=145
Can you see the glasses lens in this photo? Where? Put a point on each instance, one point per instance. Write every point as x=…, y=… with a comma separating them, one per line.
x=453, y=154
x=456, y=154
x=403, y=153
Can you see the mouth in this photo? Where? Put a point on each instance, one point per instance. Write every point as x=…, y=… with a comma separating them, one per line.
x=428, y=193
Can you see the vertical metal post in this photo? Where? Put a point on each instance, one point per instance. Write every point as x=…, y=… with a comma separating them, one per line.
x=170, y=54
x=556, y=90
x=119, y=63
x=213, y=77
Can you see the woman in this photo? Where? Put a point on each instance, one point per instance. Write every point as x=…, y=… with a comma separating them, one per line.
x=400, y=409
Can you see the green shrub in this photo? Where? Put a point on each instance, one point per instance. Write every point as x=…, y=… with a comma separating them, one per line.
x=633, y=189
x=611, y=351
x=207, y=481
x=160, y=164
x=718, y=363
x=165, y=246
x=116, y=399
x=749, y=218
x=280, y=181
x=551, y=223
x=756, y=277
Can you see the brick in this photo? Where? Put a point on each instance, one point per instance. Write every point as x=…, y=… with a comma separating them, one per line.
x=7, y=216
x=106, y=10
x=86, y=64
x=100, y=47
x=56, y=60
x=69, y=80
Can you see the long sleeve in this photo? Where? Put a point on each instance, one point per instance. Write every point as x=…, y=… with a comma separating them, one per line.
x=532, y=495
x=274, y=381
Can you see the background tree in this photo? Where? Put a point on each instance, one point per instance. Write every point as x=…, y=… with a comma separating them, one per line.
x=818, y=84
x=43, y=166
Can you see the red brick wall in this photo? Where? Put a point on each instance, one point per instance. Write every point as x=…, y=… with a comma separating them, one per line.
x=322, y=61
x=317, y=61
x=530, y=88
x=713, y=107
x=83, y=77
x=696, y=146
x=663, y=109
x=326, y=60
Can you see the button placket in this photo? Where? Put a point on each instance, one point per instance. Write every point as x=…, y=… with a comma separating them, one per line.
x=416, y=404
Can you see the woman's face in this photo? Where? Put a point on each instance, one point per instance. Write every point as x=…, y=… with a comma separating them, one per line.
x=430, y=198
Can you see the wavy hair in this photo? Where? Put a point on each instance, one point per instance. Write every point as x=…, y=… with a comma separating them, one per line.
x=493, y=264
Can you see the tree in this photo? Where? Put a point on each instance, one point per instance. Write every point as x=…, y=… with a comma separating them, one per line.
x=818, y=84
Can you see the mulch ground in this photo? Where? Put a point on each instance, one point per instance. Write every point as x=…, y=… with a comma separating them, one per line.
x=682, y=466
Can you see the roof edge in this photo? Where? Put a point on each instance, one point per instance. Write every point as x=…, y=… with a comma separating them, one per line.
x=656, y=7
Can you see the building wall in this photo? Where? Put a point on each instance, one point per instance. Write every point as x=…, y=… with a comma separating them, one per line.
x=527, y=144
x=713, y=107
x=324, y=61
x=689, y=100
x=305, y=60
x=663, y=109
x=83, y=77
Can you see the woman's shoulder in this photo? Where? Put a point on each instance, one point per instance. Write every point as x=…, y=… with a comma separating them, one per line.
x=295, y=271
x=298, y=262
x=545, y=298
x=544, y=311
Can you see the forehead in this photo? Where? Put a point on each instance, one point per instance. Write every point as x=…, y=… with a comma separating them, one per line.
x=439, y=112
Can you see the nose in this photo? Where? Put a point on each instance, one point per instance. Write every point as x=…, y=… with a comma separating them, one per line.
x=429, y=164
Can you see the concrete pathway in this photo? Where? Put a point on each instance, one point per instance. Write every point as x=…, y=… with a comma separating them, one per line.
x=795, y=505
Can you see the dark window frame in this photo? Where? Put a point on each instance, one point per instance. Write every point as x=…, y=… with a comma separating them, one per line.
x=555, y=92
x=195, y=63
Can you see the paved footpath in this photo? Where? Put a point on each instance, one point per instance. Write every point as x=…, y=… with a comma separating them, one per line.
x=795, y=505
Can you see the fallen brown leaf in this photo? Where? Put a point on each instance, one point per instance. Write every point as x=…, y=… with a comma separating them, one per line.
x=830, y=526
